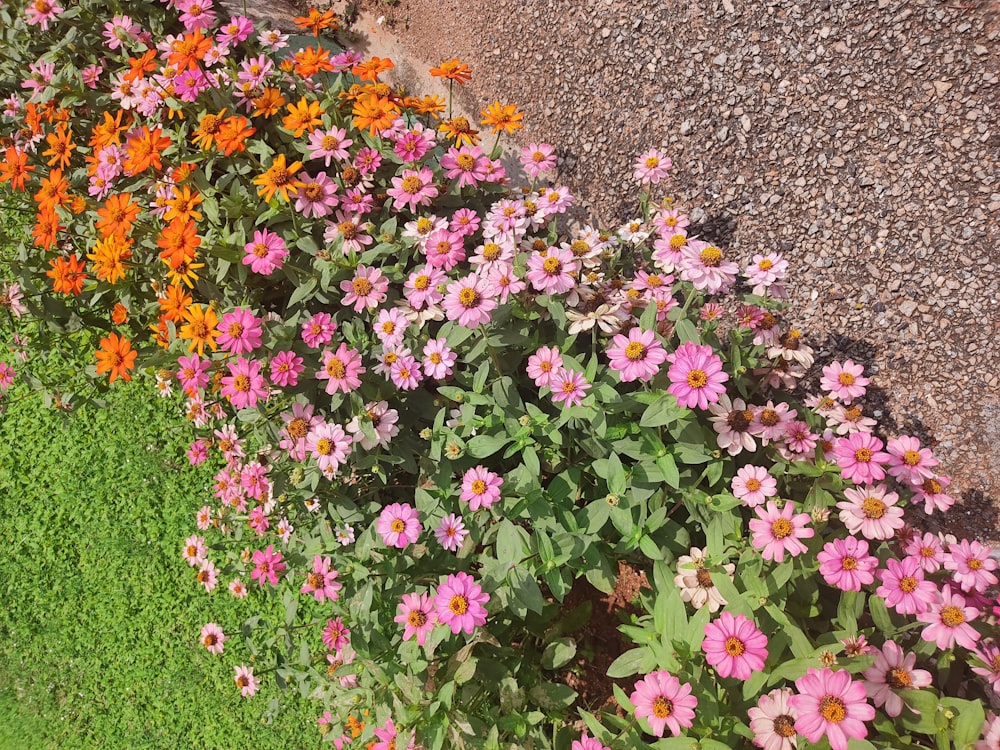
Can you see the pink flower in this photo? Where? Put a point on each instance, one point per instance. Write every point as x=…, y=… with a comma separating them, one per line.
x=316, y=196
x=208, y=575
x=399, y=525
x=927, y=551
x=285, y=368
x=438, y=359
x=405, y=373
x=832, y=704
x=421, y=288
x=872, y=511
x=480, y=488
x=932, y=493
x=846, y=564
x=765, y=270
x=543, y=365
x=468, y=303
x=417, y=615
x=637, y=356
x=197, y=452
x=988, y=652
x=467, y=164
x=904, y=588
x=350, y=229
x=553, y=272
x=414, y=188
x=734, y=646
x=329, y=445
x=237, y=589
x=733, y=422
x=991, y=733
x=753, y=485
x=213, y=638
x=383, y=422
x=451, y=532
x=777, y=532
x=322, y=582
x=665, y=702
x=195, y=550
x=696, y=376
x=329, y=144
x=240, y=332
x=860, y=457
x=702, y=264
x=948, y=621
x=652, y=167
x=367, y=289
x=390, y=327
x=586, y=742
x=844, y=381
x=244, y=386
x=246, y=682
x=460, y=603
x=193, y=373
x=341, y=369
x=336, y=635
x=444, y=249
x=772, y=721
x=893, y=670
x=908, y=462
x=799, y=439
x=265, y=253
x=318, y=330
x=569, y=388
x=41, y=13
x=972, y=565
x=537, y=158
x=268, y=566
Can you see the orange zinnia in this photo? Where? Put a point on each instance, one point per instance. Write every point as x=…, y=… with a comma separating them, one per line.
x=208, y=128
x=431, y=104
x=108, y=132
x=139, y=66
x=46, y=228
x=268, y=103
x=115, y=356
x=459, y=130
x=119, y=314
x=60, y=147
x=453, y=70
x=375, y=113
x=54, y=190
x=175, y=303
x=185, y=272
x=161, y=333
x=117, y=215
x=188, y=50
x=234, y=133
x=309, y=62
x=370, y=70
x=143, y=150
x=316, y=21
x=109, y=258
x=503, y=117
x=67, y=275
x=201, y=328
x=278, y=179
x=180, y=242
x=183, y=205
x=303, y=117
x=15, y=168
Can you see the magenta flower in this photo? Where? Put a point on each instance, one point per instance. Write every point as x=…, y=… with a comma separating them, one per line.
x=734, y=646
x=341, y=369
x=553, y=272
x=543, y=365
x=336, y=635
x=832, y=704
x=405, y=373
x=652, y=167
x=466, y=164
x=451, y=532
x=586, y=742
x=244, y=386
x=665, y=702
x=872, y=511
x=948, y=621
x=213, y=638
x=569, y=388
x=637, y=356
x=844, y=381
x=265, y=253
x=904, y=587
x=696, y=375
x=414, y=188
x=285, y=368
x=846, y=564
x=460, y=603
x=480, y=488
x=417, y=615
x=972, y=565
x=268, y=566
x=468, y=302
x=193, y=373
x=318, y=330
x=753, y=485
x=860, y=457
x=893, y=670
x=908, y=462
x=240, y=332
x=366, y=290
x=246, y=682
x=772, y=721
x=399, y=525
x=322, y=582
x=927, y=550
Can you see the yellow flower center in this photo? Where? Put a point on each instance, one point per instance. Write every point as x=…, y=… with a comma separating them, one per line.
x=241, y=383
x=753, y=484
x=781, y=528
x=635, y=351
x=845, y=378
x=652, y=162
x=765, y=265
x=458, y=605
x=849, y=563
x=697, y=379
x=398, y=526
x=908, y=584
x=478, y=486
x=711, y=256
x=362, y=287
x=335, y=368
x=897, y=678
x=469, y=297
x=552, y=266
x=416, y=618
x=324, y=446
x=873, y=508
x=465, y=162
x=412, y=184
x=662, y=707
x=911, y=458
x=832, y=708
x=421, y=282
x=862, y=455
x=734, y=646
x=491, y=251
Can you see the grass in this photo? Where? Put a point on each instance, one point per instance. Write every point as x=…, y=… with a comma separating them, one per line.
x=100, y=617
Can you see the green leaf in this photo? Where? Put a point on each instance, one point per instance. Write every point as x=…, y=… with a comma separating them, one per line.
x=558, y=653
x=617, y=482
x=969, y=723
x=668, y=466
x=479, y=381
x=466, y=670
x=304, y=292
x=664, y=411
x=686, y=331
x=551, y=696
x=482, y=446
x=510, y=543
x=522, y=582
x=634, y=661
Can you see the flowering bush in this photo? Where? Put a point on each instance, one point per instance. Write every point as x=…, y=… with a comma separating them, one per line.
x=435, y=405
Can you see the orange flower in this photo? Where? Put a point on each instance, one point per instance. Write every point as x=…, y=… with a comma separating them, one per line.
x=175, y=303
x=185, y=272
x=117, y=215
x=370, y=70
x=46, y=228
x=181, y=172
x=268, y=103
x=188, y=50
x=234, y=133
x=201, y=328
x=459, y=130
x=143, y=150
x=278, y=179
x=108, y=132
x=317, y=21
x=183, y=204
x=453, y=70
x=432, y=104
x=309, y=62
x=303, y=117
x=139, y=66
x=161, y=334
x=54, y=190
x=180, y=242
x=60, y=147
x=109, y=258
x=119, y=315
x=375, y=113
x=503, y=117
x=67, y=275
x=115, y=356
x=14, y=168
x=208, y=128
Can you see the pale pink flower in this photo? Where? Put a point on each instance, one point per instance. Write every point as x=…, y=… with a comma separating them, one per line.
x=316, y=196
x=468, y=302
x=771, y=421
x=696, y=375
x=652, y=167
x=832, y=704
x=329, y=445
x=908, y=462
x=753, y=485
x=948, y=620
x=439, y=359
x=904, y=587
x=554, y=272
x=417, y=614
x=195, y=550
x=844, y=381
x=451, y=532
x=237, y=589
x=208, y=575
x=212, y=638
x=931, y=492
x=776, y=532
x=928, y=551
x=466, y=164
x=414, y=188
x=480, y=488
x=972, y=565
x=637, y=356
x=421, y=288
x=665, y=702
x=366, y=290
x=537, y=158
x=772, y=721
x=390, y=327
x=872, y=511
x=732, y=421
x=405, y=373
x=893, y=670
x=988, y=652
x=246, y=681
x=703, y=265
x=329, y=144
x=543, y=365
x=765, y=270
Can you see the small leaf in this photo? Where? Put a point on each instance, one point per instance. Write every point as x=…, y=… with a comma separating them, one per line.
x=558, y=653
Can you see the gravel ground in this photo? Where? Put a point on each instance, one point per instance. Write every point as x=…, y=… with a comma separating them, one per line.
x=858, y=137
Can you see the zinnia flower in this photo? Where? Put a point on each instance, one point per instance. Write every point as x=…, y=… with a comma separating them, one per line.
x=832, y=704
x=637, y=356
x=846, y=564
x=772, y=721
x=665, y=702
x=734, y=646
x=893, y=670
x=399, y=525
x=418, y=616
x=480, y=488
x=460, y=603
